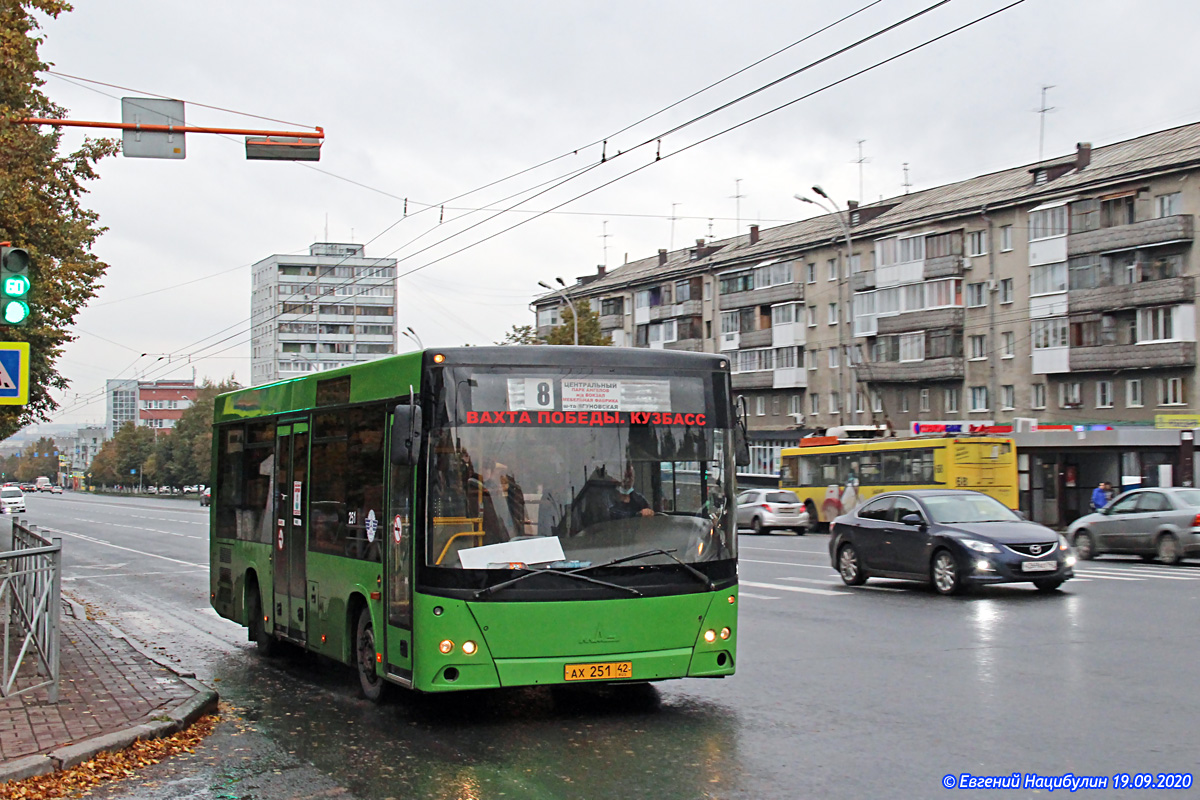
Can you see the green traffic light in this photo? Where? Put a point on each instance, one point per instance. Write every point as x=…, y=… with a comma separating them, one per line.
x=16, y=312
x=16, y=286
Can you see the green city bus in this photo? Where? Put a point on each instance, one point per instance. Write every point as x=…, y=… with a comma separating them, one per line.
x=483, y=517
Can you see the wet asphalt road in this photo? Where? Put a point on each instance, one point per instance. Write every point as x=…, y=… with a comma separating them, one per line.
x=872, y=692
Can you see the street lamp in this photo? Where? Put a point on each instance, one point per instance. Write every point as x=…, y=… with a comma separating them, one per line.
x=845, y=352
x=564, y=296
x=411, y=334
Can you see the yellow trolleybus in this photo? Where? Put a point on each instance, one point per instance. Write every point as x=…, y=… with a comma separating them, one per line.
x=832, y=478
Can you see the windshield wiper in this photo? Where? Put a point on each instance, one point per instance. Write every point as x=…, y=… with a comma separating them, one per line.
x=668, y=553
x=566, y=573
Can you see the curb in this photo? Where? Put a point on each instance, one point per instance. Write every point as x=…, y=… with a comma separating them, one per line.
x=157, y=724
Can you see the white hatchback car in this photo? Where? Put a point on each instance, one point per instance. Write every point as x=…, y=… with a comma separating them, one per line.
x=765, y=509
x=13, y=500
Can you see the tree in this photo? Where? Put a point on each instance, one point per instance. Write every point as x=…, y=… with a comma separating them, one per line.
x=520, y=334
x=589, y=327
x=133, y=445
x=42, y=208
x=186, y=454
x=104, y=466
x=39, y=459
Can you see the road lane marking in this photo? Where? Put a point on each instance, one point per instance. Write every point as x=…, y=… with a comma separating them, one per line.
x=756, y=596
x=1135, y=575
x=94, y=540
x=783, y=550
x=128, y=506
x=1112, y=577
x=784, y=564
x=781, y=588
x=131, y=527
x=132, y=574
x=810, y=580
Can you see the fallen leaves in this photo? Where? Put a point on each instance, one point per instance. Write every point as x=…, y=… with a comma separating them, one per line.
x=108, y=767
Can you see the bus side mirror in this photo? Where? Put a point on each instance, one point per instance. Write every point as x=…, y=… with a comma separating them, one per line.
x=741, y=444
x=406, y=435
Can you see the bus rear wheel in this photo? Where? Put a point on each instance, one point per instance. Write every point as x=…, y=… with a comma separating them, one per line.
x=369, y=683
x=264, y=641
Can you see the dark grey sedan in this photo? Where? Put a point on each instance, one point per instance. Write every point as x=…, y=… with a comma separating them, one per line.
x=953, y=539
x=1162, y=523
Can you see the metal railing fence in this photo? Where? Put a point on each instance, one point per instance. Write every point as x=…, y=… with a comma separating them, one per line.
x=30, y=604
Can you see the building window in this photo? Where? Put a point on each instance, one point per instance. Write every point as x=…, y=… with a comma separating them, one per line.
x=1008, y=397
x=612, y=305
x=1050, y=332
x=831, y=269
x=858, y=403
x=1006, y=239
x=1047, y=223
x=1070, y=394
x=1167, y=205
x=904, y=403
x=812, y=358
x=979, y=347
x=814, y=404
x=835, y=403
x=1006, y=290
x=1156, y=324
x=950, y=400
x=1008, y=344
x=775, y=406
x=855, y=263
x=812, y=316
x=546, y=317
x=708, y=290
x=1104, y=394
x=1048, y=278
x=833, y=357
x=833, y=314
x=977, y=243
x=912, y=346
x=810, y=273
x=924, y=399
x=1133, y=393
x=877, y=402
x=708, y=329
x=975, y=295
x=979, y=398
x=1037, y=398
x=1170, y=392
x=794, y=405
x=760, y=406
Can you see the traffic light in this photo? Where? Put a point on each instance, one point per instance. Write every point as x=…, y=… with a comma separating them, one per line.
x=14, y=285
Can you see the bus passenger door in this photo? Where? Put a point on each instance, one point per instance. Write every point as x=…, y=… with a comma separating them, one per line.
x=290, y=546
x=399, y=570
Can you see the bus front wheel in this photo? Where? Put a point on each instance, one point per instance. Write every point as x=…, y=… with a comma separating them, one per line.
x=369, y=682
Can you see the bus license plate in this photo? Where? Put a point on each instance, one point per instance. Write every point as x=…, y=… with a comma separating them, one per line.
x=1038, y=566
x=598, y=672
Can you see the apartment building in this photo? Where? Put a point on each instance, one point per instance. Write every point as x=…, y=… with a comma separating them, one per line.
x=1061, y=291
x=152, y=404
x=331, y=308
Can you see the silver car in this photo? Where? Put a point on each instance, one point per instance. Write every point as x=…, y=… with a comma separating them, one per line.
x=1162, y=523
x=765, y=509
x=12, y=499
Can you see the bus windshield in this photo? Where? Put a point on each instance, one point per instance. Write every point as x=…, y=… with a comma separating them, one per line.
x=571, y=470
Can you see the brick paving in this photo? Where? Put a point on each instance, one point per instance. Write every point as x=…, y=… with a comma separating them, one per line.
x=106, y=686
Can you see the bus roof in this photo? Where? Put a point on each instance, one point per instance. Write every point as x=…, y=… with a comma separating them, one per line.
x=390, y=377
x=893, y=444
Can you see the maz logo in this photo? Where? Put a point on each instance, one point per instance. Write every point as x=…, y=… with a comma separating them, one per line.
x=599, y=637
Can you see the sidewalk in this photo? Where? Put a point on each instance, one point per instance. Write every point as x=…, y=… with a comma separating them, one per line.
x=110, y=695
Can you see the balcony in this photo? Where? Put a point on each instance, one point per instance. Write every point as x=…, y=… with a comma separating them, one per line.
x=688, y=308
x=920, y=321
x=689, y=345
x=1111, y=357
x=862, y=281
x=931, y=369
x=610, y=322
x=1129, y=237
x=1133, y=295
x=763, y=379
x=755, y=339
x=762, y=297
x=943, y=267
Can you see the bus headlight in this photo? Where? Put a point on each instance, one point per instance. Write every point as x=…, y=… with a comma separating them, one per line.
x=469, y=648
x=446, y=646
x=710, y=636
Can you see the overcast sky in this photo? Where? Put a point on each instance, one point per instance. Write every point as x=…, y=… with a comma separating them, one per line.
x=427, y=101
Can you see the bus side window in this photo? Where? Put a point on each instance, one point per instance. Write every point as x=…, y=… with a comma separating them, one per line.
x=893, y=467
x=869, y=472
x=788, y=474
x=810, y=471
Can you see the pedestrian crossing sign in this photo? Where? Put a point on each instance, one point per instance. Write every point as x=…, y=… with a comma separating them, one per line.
x=14, y=373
